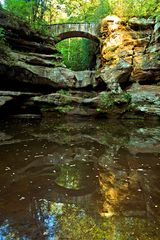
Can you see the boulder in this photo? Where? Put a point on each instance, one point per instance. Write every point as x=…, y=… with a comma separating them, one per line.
x=145, y=102
x=115, y=75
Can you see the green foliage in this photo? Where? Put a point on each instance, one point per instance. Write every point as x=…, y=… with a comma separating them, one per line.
x=4, y=49
x=64, y=109
x=102, y=10
x=135, y=8
x=78, y=53
x=64, y=92
x=20, y=8
x=2, y=34
x=109, y=99
x=38, y=12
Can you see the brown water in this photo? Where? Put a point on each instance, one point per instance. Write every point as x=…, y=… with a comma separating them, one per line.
x=79, y=180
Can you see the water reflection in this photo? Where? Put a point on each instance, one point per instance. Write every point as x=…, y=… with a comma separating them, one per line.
x=74, y=179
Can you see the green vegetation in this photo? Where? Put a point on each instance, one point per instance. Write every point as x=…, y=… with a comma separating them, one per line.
x=55, y=11
x=64, y=109
x=2, y=34
x=110, y=100
x=135, y=8
x=4, y=49
x=78, y=53
x=2, y=44
x=64, y=92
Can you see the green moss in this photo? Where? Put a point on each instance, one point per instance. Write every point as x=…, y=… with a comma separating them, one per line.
x=64, y=92
x=2, y=34
x=5, y=52
x=64, y=109
x=108, y=100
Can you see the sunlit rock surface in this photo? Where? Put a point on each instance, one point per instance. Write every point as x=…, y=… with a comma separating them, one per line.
x=136, y=43
x=128, y=58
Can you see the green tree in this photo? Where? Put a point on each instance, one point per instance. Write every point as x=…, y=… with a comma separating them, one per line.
x=78, y=53
x=20, y=8
x=135, y=8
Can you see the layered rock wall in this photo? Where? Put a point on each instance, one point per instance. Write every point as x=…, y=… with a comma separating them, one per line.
x=124, y=85
x=130, y=51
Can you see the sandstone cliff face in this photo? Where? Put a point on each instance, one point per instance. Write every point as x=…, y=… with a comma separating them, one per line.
x=125, y=84
x=130, y=50
x=130, y=61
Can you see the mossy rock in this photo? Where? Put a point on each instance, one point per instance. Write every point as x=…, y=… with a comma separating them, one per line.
x=113, y=104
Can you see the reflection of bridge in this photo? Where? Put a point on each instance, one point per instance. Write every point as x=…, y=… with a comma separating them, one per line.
x=70, y=30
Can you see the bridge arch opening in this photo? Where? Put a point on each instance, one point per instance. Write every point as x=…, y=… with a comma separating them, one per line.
x=79, y=53
x=78, y=42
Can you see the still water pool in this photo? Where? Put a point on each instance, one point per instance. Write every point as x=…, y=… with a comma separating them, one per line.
x=79, y=180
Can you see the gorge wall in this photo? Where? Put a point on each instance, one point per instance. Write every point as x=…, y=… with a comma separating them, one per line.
x=125, y=84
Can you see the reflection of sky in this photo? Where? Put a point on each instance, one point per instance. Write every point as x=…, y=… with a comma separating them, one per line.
x=6, y=232
x=2, y=1
x=49, y=223
x=46, y=216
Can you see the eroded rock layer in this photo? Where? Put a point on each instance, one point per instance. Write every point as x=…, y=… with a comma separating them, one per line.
x=123, y=85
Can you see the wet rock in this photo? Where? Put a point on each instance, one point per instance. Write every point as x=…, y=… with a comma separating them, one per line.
x=108, y=103
x=17, y=93
x=25, y=116
x=12, y=104
x=28, y=56
x=4, y=100
x=145, y=101
x=140, y=143
x=37, y=72
x=4, y=137
x=157, y=30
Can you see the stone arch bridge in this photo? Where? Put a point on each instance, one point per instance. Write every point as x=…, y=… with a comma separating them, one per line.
x=63, y=31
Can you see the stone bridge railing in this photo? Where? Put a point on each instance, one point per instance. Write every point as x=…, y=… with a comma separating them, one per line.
x=91, y=28
x=70, y=30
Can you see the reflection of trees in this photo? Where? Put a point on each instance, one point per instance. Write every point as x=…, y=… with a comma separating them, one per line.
x=7, y=232
x=70, y=221
x=77, y=175
x=100, y=183
x=74, y=222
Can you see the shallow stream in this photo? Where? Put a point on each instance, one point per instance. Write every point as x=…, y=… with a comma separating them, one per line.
x=79, y=179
